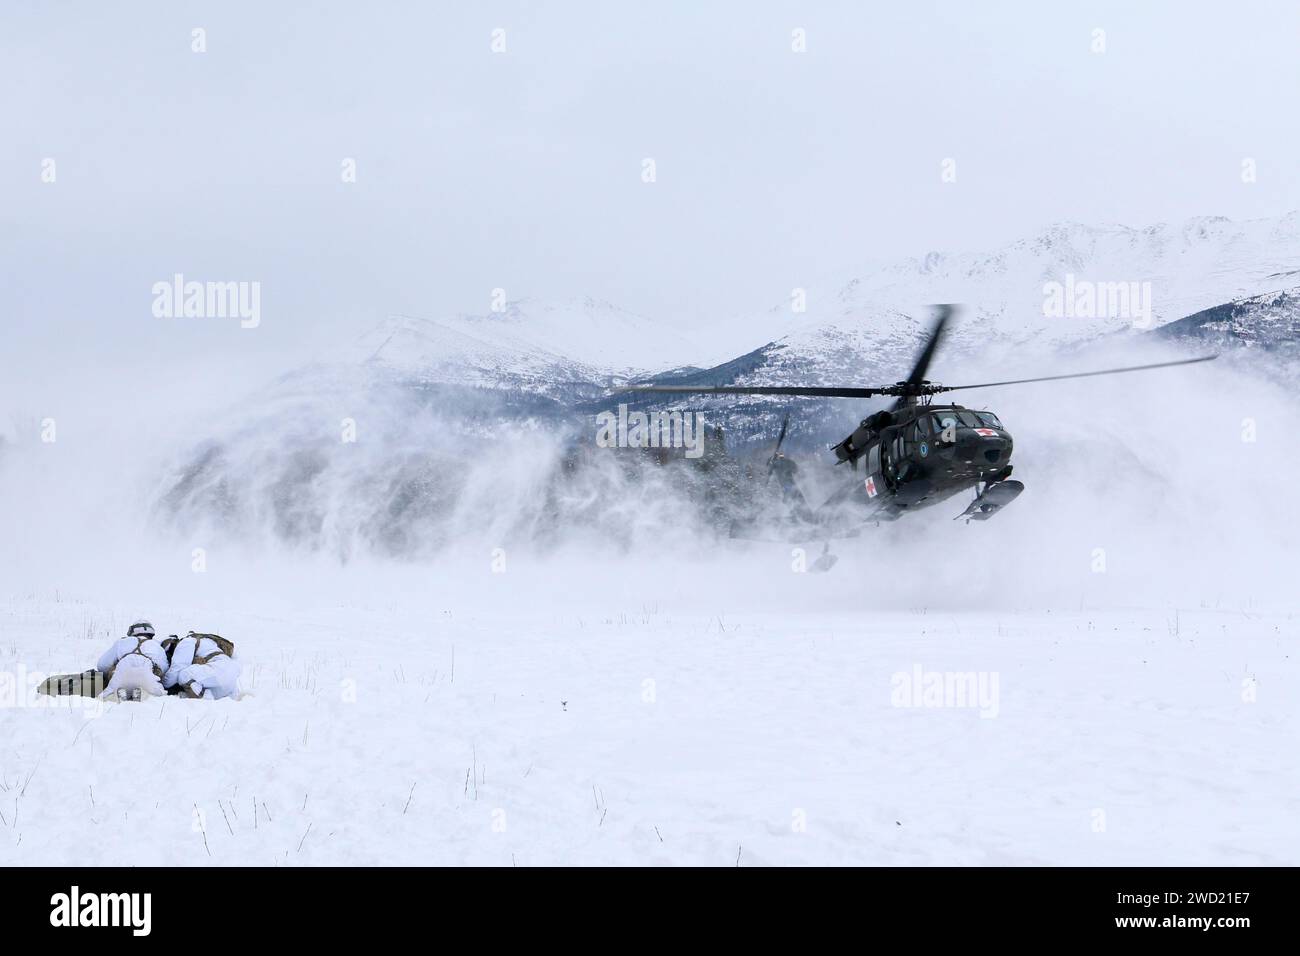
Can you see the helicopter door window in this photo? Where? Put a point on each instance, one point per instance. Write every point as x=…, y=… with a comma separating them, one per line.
x=909, y=439
x=942, y=421
x=873, y=460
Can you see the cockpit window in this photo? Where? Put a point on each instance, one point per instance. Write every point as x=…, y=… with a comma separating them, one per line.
x=963, y=418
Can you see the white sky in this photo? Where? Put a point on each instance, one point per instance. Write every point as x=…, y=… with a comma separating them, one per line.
x=522, y=170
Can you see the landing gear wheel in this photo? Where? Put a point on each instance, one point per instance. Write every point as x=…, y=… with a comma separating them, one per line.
x=825, y=560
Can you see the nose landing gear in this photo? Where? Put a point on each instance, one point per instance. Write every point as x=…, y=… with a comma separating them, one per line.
x=825, y=561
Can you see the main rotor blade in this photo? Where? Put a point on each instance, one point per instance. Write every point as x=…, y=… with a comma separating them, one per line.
x=1105, y=371
x=917, y=375
x=761, y=390
x=943, y=314
x=771, y=461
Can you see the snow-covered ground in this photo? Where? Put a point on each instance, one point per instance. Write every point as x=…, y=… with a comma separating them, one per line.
x=702, y=712
x=1126, y=630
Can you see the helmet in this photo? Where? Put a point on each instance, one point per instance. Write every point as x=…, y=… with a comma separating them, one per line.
x=140, y=629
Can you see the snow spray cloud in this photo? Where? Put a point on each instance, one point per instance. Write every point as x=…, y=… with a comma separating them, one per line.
x=351, y=464
x=1122, y=505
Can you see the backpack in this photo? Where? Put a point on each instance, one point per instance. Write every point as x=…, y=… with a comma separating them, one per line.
x=223, y=646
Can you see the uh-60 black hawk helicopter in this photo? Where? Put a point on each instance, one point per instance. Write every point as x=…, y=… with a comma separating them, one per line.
x=912, y=455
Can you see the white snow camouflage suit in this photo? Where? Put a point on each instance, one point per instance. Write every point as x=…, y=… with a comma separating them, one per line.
x=134, y=662
x=199, y=662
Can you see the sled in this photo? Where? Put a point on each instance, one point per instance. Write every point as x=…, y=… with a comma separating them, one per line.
x=86, y=684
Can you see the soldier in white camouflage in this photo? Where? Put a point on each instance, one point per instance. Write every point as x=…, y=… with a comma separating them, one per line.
x=135, y=665
x=201, y=665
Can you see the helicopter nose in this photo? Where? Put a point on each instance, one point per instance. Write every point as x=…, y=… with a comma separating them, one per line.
x=986, y=447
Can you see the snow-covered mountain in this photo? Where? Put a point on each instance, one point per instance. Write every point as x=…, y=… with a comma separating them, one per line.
x=528, y=345
x=866, y=330
x=1190, y=266
x=1270, y=322
x=421, y=351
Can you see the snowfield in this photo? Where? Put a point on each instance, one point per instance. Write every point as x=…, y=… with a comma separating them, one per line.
x=1103, y=674
x=717, y=711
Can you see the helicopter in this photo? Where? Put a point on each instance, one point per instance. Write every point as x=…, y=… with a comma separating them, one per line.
x=914, y=454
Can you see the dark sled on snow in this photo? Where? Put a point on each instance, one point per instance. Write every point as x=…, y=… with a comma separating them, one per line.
x=86, y=684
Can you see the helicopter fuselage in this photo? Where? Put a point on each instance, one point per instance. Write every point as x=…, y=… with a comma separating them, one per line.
x=918, y=455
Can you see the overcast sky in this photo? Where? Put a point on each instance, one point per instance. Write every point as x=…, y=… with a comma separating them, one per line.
x=523, y=169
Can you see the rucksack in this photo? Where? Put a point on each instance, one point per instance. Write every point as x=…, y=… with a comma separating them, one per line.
x=223, y=646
